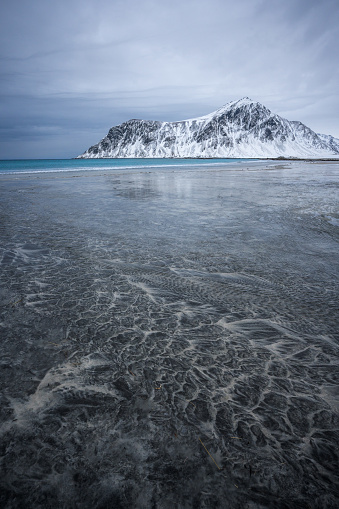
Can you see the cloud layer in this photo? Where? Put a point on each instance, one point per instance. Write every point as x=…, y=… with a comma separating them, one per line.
x=72, y=69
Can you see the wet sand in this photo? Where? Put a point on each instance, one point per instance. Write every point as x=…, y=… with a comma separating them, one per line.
x=169, y=338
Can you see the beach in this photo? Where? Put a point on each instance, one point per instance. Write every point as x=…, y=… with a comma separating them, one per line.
x=169, y=336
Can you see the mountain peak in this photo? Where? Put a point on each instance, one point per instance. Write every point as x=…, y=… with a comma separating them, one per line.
x=245, y=101
x=242, y=128
x=242, y=102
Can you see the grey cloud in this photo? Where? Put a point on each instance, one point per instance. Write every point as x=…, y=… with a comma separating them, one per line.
x=82, y=66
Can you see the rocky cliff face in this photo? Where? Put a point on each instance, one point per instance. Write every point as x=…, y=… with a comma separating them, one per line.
x=241, y=128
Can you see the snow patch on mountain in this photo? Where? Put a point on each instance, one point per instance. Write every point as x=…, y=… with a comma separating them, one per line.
x=243, y=128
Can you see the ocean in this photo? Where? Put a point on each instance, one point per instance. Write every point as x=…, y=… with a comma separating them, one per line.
x=70, y=165
x=169, y=334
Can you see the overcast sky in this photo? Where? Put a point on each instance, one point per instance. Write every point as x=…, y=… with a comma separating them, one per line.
x=70, y=69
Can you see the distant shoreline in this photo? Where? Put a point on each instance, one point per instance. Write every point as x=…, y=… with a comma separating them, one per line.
x=281, y=158
x=218, y=158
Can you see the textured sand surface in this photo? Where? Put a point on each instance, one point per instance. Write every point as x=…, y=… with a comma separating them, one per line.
x=169, y=338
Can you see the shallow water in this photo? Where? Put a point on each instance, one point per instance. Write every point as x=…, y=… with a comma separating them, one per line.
x=34, y=166
x=169, y=338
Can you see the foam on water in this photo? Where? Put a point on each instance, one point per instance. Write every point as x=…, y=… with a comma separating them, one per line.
x=36, y=166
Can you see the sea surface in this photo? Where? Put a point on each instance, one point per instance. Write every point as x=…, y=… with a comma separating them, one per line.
x=169, y=334
x=79, y=165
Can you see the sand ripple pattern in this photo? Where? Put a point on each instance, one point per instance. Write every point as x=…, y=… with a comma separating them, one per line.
x=169, y=348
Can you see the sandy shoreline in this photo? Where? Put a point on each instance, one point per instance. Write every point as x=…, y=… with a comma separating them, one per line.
x=169, y=337
x=248, y=165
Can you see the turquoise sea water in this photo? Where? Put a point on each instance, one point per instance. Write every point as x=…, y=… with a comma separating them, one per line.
x=64, y=165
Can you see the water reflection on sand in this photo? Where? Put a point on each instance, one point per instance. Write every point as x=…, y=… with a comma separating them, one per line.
x=170, y=338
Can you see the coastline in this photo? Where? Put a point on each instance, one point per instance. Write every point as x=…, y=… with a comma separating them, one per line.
x=170, y=335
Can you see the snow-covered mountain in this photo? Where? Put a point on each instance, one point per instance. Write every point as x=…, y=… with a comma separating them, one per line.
x=243, y=128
